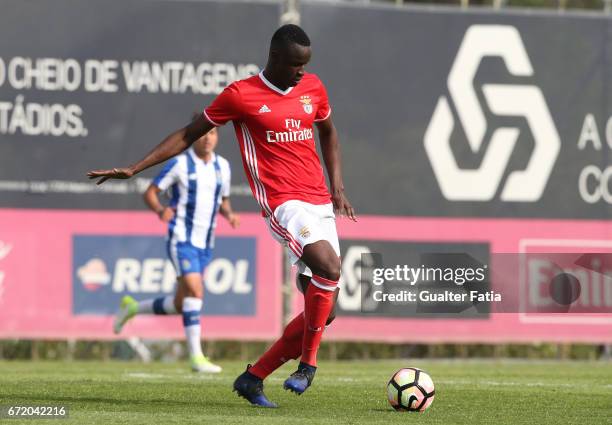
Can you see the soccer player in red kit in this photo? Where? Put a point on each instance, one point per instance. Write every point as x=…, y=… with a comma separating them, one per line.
x=273, y=115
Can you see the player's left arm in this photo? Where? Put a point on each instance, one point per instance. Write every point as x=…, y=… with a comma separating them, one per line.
x=226, y=211
x=226, y=207
x=330, y=147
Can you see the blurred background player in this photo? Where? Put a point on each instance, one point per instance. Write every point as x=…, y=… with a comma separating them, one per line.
x=199, y=182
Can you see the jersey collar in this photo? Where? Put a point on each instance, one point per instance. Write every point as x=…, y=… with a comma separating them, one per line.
x=272, y=86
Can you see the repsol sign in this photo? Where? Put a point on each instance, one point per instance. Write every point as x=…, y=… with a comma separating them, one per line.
x=105, y=268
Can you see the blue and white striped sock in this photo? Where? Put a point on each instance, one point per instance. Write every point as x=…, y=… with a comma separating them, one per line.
x=161, y=305
x=191, y=321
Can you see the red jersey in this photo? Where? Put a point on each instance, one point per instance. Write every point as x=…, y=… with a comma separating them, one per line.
x=275, y=132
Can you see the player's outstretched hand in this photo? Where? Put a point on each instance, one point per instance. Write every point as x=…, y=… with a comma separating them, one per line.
x=115, y=173
x=342, y=206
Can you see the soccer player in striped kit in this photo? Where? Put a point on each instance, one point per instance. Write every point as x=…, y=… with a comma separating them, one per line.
x=199, y=182
x=273, y=114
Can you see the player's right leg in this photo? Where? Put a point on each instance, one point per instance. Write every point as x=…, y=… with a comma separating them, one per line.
x=289, y=346
x=129, y=307
x=250, y=387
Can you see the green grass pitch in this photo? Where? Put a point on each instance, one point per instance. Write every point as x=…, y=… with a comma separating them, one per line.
x=467, y=392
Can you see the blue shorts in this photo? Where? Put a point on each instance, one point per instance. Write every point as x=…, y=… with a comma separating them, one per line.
x=187, y=258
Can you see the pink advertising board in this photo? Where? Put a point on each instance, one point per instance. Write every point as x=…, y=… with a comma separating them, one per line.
x=49, y=287
x=62, y=274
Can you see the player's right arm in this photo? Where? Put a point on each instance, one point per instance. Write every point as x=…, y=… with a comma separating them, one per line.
x=172, y=145
x=168, y=176
x=151, y=199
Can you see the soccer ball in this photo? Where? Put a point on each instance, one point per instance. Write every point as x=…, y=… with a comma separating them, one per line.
x=410, y=390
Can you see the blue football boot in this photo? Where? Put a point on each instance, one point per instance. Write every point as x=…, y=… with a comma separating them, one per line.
x=250, y=387
x=301, y=379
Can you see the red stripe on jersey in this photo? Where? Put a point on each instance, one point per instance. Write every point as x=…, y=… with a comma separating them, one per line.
x=251, y=159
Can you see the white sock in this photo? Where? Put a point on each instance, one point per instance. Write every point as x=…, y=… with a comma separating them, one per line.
x=162, y=305
x=191, y=321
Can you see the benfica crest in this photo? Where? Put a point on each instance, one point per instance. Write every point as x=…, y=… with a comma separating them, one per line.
x=306, y=103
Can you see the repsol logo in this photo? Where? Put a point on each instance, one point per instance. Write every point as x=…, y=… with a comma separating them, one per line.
x=154, y=275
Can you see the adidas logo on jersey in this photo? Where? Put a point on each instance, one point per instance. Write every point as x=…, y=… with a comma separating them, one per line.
x=263, y=109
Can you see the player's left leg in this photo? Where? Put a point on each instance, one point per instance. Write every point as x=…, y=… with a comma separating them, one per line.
x=304, y=281
x=188, y=300
x=319, y=300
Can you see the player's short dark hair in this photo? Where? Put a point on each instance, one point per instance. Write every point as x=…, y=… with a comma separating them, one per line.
x=289, y=34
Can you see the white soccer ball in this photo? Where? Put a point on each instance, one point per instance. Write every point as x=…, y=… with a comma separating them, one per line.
x=410, y=390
